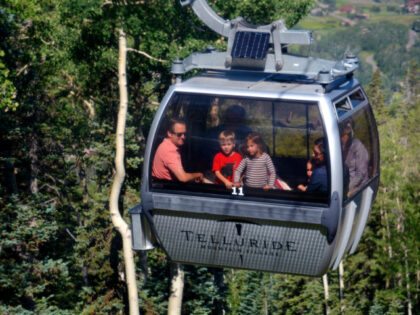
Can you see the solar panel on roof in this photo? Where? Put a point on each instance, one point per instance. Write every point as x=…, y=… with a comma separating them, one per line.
x=252, y=45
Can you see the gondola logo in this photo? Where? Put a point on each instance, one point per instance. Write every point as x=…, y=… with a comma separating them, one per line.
x=238, y=244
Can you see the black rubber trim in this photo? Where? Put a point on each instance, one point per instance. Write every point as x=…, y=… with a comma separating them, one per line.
x=330, y=216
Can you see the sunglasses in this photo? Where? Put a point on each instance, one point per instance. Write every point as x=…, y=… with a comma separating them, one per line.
x=179, y=134
x=316, y=153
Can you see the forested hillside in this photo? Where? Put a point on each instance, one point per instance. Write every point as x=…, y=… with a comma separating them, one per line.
x=59, y=253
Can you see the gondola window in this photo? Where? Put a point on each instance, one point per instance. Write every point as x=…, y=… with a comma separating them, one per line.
x=288, y=130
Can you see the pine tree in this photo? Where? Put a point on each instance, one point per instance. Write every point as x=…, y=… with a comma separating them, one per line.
x=376, y=96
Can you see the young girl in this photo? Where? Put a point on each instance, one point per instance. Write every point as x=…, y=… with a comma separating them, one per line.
x=257, y=164
x=309, y=170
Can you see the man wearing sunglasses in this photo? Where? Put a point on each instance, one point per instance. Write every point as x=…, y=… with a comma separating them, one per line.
x=167, y=161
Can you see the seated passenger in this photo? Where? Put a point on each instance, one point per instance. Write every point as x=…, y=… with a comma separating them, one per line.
x=355, y=156
x=226, y=162
x=167, y=161
x=319, y=178
x=257, y=165
x=309, y=170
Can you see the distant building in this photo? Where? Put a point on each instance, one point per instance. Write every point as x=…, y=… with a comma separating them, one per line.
x=347, y=9
x=413, y=7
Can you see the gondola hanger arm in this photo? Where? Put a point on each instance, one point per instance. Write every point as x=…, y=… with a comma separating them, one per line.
x=273, y=58
x=208, y=16
x=225, y=27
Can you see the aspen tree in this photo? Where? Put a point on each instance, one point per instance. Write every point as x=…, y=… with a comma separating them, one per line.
x=117, y=220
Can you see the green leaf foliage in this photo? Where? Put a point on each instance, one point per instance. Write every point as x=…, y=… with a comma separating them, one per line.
x=59, y=253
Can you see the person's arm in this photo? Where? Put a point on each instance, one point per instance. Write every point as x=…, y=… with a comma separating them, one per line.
x=223, y=179
x=184, y=177
x=318, y=181
x=272, y=170
x=217, y=165
x=238, y=172
x=302, y=187
x=175, y=166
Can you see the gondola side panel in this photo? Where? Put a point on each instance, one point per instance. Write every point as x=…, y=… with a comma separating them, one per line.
x=283, y=248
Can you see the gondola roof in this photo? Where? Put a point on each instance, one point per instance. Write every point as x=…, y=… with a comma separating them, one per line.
x=263, y=83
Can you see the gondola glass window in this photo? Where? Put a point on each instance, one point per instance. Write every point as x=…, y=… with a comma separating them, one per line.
x=287, y=128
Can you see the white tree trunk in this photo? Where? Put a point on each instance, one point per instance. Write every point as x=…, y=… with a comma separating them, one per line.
x=386, y=236
x=116, y=218
x=340, y=277
x=416, y=296
x=33, y=155
x=401, y=229
x=326, y=293
x=177, y=288
x=407, y=279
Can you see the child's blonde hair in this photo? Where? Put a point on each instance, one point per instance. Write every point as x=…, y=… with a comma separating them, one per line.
x=227, y=135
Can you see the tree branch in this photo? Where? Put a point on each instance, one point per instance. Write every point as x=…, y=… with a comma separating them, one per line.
x=22, y=69
x=110, y=3
x=90, y=109
x=71, y=235
x=146, y=55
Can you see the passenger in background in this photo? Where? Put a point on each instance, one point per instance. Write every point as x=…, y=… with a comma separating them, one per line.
x=234, y=120
x=167, y=161
x=319, y=179
x=355, y=156
x=309, y=170
x=257, y=165
x=226, y=161
x=213, y=119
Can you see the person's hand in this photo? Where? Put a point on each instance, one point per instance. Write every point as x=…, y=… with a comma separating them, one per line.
x=228, y=185
x=301, y=187
x=199, y=178
x=237, y=185
x=266, y=187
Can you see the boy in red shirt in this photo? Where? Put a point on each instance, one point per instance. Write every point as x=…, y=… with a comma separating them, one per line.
x=226, y=162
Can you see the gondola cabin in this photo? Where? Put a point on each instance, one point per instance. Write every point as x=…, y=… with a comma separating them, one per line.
x=316, y=128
